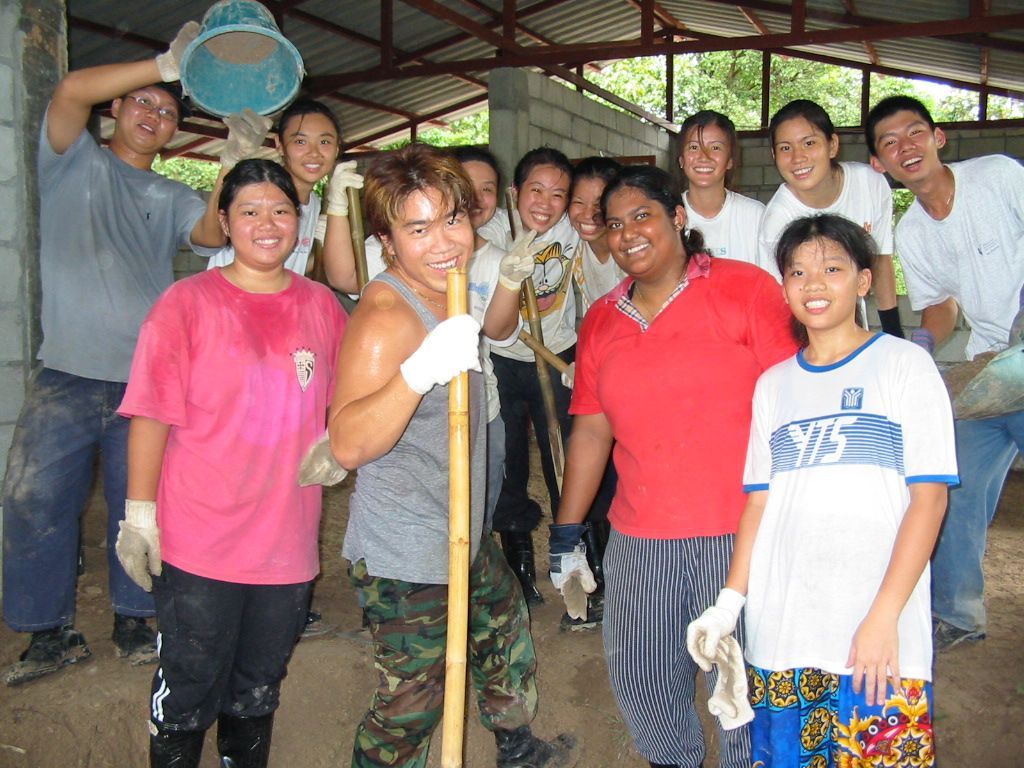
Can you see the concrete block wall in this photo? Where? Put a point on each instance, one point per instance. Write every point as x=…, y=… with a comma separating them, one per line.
x=33, y=56
x=758, y=178
x=528, y=110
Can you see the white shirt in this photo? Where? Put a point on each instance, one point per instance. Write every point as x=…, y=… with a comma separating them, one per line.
x=732, y=232
x=975, y=254
x=836, y=447
x=865, y=199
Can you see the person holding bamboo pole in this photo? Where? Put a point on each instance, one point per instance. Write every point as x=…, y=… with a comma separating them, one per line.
x=389, y=418
x=542, y=180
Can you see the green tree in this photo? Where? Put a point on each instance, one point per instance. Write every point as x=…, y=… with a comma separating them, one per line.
x=201, y=175
x=471, y=129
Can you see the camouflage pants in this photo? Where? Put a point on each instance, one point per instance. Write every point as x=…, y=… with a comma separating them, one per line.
x=409, y=623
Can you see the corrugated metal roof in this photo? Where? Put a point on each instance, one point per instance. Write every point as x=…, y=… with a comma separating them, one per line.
x=339, y=37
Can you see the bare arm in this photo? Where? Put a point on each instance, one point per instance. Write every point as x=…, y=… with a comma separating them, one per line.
x=940, y=319
x=372, y=402
x=750, y=521
x=590, y=444
x=502, y=317
x=147, y=440
x=883, y=281
x=208, y=232
x=339, y=255
x=874, y=652
x=83, y=89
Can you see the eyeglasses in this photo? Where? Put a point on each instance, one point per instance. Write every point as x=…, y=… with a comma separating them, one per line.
x=147, y=104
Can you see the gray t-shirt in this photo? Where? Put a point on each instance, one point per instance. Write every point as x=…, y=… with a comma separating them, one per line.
x=109, y=232
x=398, y=515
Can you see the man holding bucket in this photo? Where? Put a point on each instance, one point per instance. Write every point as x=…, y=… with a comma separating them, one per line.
x=109, y=229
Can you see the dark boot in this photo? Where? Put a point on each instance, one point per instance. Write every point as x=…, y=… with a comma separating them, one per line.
x=663, y=765
x=521, y=749
x=174, y=749
x=595, y=536
x=244, y=742
x=518, y=548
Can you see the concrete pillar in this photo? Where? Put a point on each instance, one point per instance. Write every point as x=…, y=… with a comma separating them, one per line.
x=33, y=58
x=509, y=103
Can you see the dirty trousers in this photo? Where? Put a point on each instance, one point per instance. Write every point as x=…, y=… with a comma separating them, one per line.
x=409, y=622
x=65, y=420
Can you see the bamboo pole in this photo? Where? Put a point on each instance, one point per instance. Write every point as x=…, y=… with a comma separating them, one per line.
x=547, y=389
x=539, y=349
x=458, y=546
x=355, y=223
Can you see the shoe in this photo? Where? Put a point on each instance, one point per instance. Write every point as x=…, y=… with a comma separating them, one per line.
x=134, y=639
x=48, y=651
x=595, y=616
x=946, y=635
x=521, y=749
x=315, y=625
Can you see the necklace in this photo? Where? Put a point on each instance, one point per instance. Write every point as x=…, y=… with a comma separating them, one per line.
x=432, y=302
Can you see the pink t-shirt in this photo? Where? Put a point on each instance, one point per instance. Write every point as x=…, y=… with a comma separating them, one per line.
x=244, y=380
x=678, y=396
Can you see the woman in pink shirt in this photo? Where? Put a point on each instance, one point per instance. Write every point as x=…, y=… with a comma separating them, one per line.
x=229, y=387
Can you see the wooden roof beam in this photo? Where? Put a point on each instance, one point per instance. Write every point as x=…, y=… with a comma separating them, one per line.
x=869, y=49
x=480, y=31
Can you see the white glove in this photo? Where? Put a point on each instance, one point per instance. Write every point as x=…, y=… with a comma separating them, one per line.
x=730, y=702
x=718, y=621
x=569, y=564
x=169, y=62
x=138, y=542
x=451, y=348
x=569, y=377
x=517, y=264
x=319, y=467
x=246, y=132
x=336, y=194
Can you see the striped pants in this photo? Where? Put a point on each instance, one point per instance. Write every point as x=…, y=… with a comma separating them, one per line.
x=653, y=589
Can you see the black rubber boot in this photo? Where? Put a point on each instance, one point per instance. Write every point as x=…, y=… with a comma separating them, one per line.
x=244, y=742
x=595, y=536
x=518, y=548
x=521, y=749
x=174, y=749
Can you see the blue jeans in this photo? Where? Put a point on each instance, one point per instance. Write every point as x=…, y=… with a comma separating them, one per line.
x=985, y=449
x=50, y=471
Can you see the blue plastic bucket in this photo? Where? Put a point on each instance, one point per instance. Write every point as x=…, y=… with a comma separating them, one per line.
x=240, y=59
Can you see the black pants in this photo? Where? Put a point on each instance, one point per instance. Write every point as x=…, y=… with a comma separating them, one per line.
x=521, y=403
x=224, y=647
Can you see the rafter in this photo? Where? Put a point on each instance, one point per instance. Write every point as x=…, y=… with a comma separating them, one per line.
x=869, y=49
x=396, y=129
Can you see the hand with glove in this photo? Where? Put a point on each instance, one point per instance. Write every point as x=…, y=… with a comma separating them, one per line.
x=517, y=264
x=319, y=467
x=246, y=132
x=169, y=62
x=138, y=543
x=568, y=558
x=717, y=622
x=450, y=349
x=336, y=194
x=569, y=377
x=729, y=702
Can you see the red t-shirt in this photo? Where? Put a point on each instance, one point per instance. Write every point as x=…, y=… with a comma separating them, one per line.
x=244, y=380
x=678, y=396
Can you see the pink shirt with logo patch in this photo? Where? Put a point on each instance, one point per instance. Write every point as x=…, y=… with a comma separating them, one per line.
x=244, y=380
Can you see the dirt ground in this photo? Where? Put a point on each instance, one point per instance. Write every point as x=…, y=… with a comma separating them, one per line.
x=94, y=715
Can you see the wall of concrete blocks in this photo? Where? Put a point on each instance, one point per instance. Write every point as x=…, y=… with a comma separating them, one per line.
x=33, y=56
x=756, y=177
x=528, y=110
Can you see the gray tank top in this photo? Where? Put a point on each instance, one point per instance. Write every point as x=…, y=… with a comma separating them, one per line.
x=398, y=514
